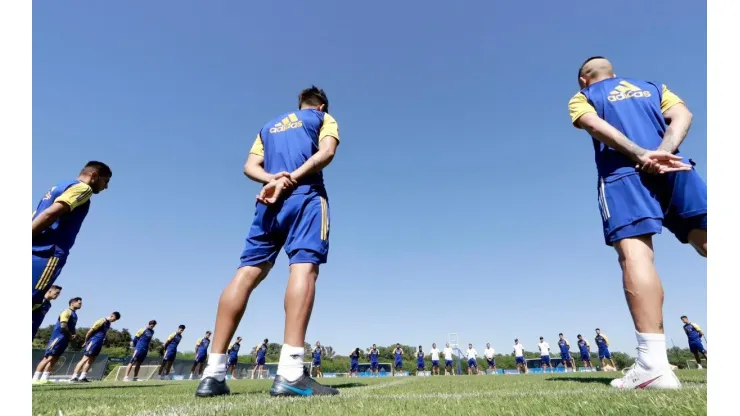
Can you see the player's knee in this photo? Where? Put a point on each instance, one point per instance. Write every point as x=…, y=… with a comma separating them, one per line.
x=252, y=276
x=635, y=253
x=698, y=239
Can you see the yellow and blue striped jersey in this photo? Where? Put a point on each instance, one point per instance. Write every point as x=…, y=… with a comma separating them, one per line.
x=100, y=329
x=60, y=236
x=289, y=140
x=69, y=317
x=143, y=338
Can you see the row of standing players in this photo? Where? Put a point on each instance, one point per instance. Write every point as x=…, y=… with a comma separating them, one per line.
x=65, y=328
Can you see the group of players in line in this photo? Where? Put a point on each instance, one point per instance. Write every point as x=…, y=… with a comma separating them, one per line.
x=64, y=332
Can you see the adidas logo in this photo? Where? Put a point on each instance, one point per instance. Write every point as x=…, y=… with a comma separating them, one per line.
x=290, y=122
x=625, y=90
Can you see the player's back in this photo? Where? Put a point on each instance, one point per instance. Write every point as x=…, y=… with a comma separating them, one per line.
x=634, y=107
x=290, y=139
x=100, y=329
x=691, y=331
x=57, y=239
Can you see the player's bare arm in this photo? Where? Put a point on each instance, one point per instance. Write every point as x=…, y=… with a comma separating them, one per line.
x=319, y=160
x=653, y=161
x=679, y=119
x=48, y=217
x=254, y=170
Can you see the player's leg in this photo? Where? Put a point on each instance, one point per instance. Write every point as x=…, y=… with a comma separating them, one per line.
x=78, y=368
x=40, y=369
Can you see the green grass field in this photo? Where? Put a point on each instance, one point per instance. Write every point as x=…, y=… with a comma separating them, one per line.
x=585, y=393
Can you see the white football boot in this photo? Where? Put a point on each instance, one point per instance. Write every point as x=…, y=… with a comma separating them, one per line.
x=638, y=378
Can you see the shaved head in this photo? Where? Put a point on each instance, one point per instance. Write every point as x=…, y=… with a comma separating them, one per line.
x=594, y=69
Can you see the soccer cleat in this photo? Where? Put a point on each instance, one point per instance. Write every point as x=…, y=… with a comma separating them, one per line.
x=83, y=380
x=210, y=387
x=637, y=378
x=304, y=386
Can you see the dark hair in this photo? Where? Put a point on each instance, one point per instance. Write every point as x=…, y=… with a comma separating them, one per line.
x=684, y=316
x=542, y=337
x=579, y=335
x=419, y=346
x=55, y=287
x=181, y=327
x=73, y=300
x=152, y=322
x=560, y=334
x=117, y=315
x=100, y=167
x=313, y=96
x=598, y=329
x=580, y=70
x=208, y=332
x=265, y=341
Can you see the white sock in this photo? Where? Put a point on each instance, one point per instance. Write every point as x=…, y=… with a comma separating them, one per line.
x=37, y=375
x=291, y=362
x=216, y=367
x=45, y=375
x=83, y=374
x=651, y=351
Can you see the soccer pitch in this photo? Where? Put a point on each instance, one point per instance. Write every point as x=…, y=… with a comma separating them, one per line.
x=584, y=393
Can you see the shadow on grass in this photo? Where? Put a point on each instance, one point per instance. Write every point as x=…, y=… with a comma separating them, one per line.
x=597, y=380
x=347, y=385
x=85, y=387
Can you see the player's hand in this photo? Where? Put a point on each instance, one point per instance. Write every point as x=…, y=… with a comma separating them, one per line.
x=282, y=174
x=659, y=162
x=271, y=192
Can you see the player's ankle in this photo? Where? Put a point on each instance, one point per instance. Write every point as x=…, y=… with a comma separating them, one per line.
x=651, y=351
x=290, y=365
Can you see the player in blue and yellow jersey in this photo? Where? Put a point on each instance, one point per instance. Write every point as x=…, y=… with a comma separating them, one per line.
x=695, y=334
x=585, y=349
x=233, y=353
x=354, y=363
x=602, y=343
x=92, y=346
x=170, y=352
x=643, y=185
x=41, y=309
x=260, y=353
x=374, y=354
x=56, y=221
x=140, y=344
x=288, y=157
x=201, y=352
x=63, y=332
x=397, y=360
x=316, y=364
x=565, y=356
x=420, y=364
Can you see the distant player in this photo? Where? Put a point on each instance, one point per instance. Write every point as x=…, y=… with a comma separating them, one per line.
x=92, y=346
x=544, y=347
x=261, y=353
x=521, y=362
x=63, y=332
x=233, y=353
x=41, y=309
x=637, y=127
x=565, y=353
x=374, y=354
x=434, y=354
x=694, y=333
x=55, y=223
x=602, y=342
x=317, y=351
x=140, y=343
x=585, y=349
x=397, y=360
x=449, y=370
x=472, y=356
x=201, y=352
x=170, y=352
x=420, y=364
x=288, y=157
x=490, y=355
x=354, y=363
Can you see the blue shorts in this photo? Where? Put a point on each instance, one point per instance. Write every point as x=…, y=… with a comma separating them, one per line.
x=565, y=356
x=373, y=365
x=232, y=360
x=354, y=367
x=586, y=357
x=139, y=356
x=697, y=347
x=170, y=355
x=545, y=360
x=435, y=363
x=642, y=204
x=317, y=363
x=520, y=360
x=491, y=363
x=44, y=274
x=604, y=354
x=420, y=365
x=260, y=360
x=398, y=364
x=201, y=357
x=56, y=346
x=300, y=223
x=448, y=363
x=472, y=363
x=93, y=348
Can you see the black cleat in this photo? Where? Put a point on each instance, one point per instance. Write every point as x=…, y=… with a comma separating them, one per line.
x=210, y=387
x=303, y=387
x=84, y=380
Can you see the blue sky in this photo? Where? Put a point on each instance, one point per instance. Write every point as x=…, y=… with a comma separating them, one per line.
x=462, y=199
